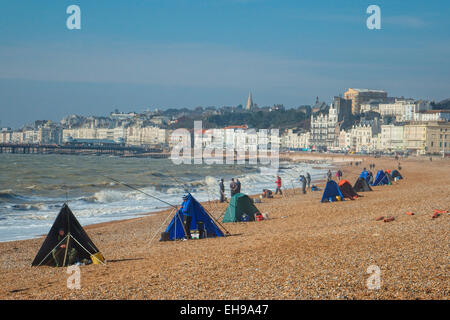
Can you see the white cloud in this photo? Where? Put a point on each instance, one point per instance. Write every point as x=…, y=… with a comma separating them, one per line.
x=405, y=21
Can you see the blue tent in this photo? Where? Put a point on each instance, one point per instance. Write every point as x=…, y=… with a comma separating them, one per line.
x=331, y=191
x=175, y=229
x=380, y=179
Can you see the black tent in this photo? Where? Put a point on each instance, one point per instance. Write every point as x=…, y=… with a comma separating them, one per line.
x=67, y=243
x=361, y=185
x=347, y=190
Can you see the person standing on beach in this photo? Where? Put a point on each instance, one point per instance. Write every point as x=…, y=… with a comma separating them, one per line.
x=339, y=174
x=238, y=186
x=329, y=175
x=278, y=182
x=233, y=187
x=222, y=191
x=186, y=210
x=303, y=181
x=308, y=180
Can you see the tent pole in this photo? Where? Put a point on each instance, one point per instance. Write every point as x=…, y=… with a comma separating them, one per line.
x=159, y=229
x=51, y=251
x=67, y=248
x=182, y=224
x=87, y=250
x=217, y=222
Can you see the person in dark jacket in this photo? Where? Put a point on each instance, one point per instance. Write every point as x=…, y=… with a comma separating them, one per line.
x=303, y=182
x=233, y=187
x=308, y=180
x=238, y=186
x=61, y=254
x=267, y=193
x=329, y=175
x=222, y=191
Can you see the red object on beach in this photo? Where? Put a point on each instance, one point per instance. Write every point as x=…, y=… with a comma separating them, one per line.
x=379, y=218
x=259, y=217
x=410, y=213
x=435, y=215
x=440, y=211
x=389, y=219
x=278, y=182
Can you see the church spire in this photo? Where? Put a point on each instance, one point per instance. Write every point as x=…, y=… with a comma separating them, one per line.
x=249, y=102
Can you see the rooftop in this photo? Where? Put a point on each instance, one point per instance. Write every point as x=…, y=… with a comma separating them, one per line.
x=368, y=90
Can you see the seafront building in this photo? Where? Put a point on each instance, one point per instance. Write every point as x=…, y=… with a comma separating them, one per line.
x=427, y=137
x=325, y=129
x=361, y=96
x=396, y=125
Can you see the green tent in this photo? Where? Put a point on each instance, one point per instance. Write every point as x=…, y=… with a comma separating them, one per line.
x=240, y=204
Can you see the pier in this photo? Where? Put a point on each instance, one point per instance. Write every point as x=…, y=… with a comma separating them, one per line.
x=79, y=149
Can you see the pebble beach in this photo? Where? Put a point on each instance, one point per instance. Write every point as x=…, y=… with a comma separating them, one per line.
x=305, y=250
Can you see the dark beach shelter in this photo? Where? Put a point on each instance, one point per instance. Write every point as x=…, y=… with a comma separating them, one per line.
x=396, y=174
x=347, y=190
x=381, y=179
x=201, y=221
x=240, y=205
x=67, y=243
x=331, y=192
x=361, y=185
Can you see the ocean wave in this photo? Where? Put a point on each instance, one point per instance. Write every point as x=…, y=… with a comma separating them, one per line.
x=10, y=196
x=30, y=207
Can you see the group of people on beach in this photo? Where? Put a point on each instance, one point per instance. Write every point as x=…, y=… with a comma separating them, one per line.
x=305, y=181
x=235, y=187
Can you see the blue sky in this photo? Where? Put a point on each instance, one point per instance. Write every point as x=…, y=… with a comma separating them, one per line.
x=133, y=55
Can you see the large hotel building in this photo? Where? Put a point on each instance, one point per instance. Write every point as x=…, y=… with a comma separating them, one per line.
x=360, y=96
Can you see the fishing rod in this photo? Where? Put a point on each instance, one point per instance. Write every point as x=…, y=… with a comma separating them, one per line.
x=176, y=208
x=185, y=188
x=139, y=190
x=292, y=179
x=183, y=185
x=147, y=194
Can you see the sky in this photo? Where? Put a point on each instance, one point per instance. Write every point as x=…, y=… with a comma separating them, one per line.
x=143, y=54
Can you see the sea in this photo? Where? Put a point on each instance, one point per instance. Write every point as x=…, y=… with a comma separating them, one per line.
x=33, y=187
